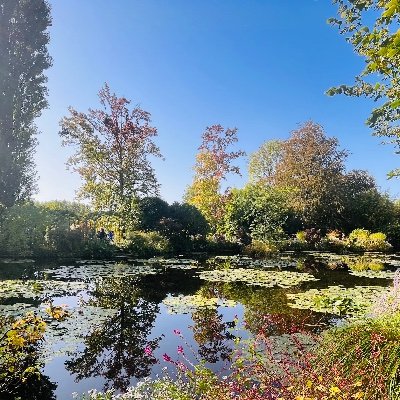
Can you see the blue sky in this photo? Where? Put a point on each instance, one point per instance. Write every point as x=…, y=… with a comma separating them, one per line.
x=259, y=65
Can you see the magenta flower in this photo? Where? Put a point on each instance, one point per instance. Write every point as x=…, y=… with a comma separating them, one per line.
x=167, y=358
x=148, y=351
x=180, y=349
x=177, y=332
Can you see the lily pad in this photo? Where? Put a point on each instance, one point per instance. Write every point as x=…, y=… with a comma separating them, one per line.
x=187, y=304
x=90, y=272
x=374, y=274
x=283, y=279
x=337, y=299
x=39, y=289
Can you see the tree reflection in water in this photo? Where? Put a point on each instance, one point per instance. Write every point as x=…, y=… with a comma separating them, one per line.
x=212, y=335
x=210, y=332
x=115, y=350
x=36, y=387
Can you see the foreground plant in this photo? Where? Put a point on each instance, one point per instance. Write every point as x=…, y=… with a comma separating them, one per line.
x=20, y=367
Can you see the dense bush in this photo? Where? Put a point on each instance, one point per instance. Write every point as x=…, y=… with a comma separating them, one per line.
x=368, y=352
x=364, y=240
x=147, y=244
x=256, y=212
x=260, y=249
x=54, y=229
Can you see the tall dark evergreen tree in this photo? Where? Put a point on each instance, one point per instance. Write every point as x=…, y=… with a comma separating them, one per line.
x=23, y=60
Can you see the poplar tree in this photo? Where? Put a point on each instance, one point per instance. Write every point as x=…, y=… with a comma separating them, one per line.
x=24, y=58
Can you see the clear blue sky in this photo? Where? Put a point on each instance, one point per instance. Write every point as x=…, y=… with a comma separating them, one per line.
x=261, y=66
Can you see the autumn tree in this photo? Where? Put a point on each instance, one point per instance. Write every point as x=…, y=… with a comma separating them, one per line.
x=24, y=58
x=371, y=26
x=312, y=166
x=113, y=146
x=213, y=164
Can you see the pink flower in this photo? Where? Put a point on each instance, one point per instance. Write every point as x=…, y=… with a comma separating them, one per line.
x=167, y=358
x=181, y=366
x=177, y=332
x=148, y=351
x=180, y=349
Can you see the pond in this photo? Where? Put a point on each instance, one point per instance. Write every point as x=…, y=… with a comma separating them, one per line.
x=128, y=315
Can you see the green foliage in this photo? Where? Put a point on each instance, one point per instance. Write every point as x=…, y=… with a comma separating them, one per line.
x=49, y=229
x=259, y=249
x=147, y=244
x=263, y=162
x=363, y=204
x=301, y=236
x=312, y=167
x=152, y=210
x=181, y=223
x=367, y=351
x=371, y=27
x=24, y=58
x=256, y=212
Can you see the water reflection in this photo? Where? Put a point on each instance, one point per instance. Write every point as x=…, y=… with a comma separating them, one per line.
x=212, y=335
x=35, y=387
x=115, y=350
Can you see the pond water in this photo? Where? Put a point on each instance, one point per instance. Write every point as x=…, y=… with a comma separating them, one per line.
x=127, y=314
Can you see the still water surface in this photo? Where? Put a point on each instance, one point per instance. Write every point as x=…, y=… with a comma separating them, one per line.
x=126, y=314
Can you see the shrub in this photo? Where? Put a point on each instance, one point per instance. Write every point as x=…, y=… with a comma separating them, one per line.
x=147, y=244
x=260, y=249
x=367, y=352
x=301, y=236
x=364, y=240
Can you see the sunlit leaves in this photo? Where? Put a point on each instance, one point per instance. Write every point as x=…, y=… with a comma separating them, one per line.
x=337, y=299
x=213, y=163
x=372, y=28
x=113, y=149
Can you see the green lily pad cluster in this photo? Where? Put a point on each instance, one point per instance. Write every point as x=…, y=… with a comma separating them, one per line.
x=167, y=263
x=90, y=272
x=39, y=289
x=64, y=337
x=374, y=274
x=337, y=299
x=187, y=304
x=244, y=261
x=283, y=279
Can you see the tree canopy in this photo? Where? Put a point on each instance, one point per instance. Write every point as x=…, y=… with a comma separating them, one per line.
x=213, y=163
x=312, y=165
x=371, y=26
x=263, y=162
x=113, y=146
x=24, y=58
